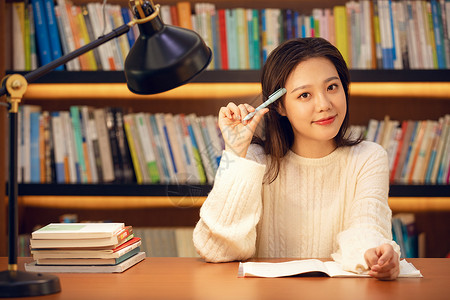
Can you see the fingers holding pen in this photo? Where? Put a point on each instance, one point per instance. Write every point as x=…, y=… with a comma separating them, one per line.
x=236, y=112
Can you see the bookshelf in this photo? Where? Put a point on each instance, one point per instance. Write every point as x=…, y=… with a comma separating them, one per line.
x=402, y=94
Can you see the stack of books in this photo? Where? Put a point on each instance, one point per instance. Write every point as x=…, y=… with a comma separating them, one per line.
x=84, y=248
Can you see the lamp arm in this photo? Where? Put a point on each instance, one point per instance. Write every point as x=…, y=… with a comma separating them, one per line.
x=41, y=71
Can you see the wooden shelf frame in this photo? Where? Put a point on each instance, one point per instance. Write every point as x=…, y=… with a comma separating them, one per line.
x=188, y=190
x=397, y=204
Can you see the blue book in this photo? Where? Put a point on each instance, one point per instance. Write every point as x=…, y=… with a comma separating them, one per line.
x=34, y=148
x=303, y=18
x=41, y=31
x=126, y=19
x=289, y=25
x=55, y=42
x=296, y=29
x=393, y=49
x=438, y=34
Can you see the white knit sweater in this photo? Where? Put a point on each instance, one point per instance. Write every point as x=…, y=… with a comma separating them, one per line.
x=335, y=206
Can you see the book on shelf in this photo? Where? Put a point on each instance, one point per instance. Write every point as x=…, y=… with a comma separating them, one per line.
x=311, y=267
x=417, y=150
x=380, y=34
x=119, y=268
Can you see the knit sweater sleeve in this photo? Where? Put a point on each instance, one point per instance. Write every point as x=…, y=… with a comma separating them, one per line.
x=226, y=230
x=368, y=224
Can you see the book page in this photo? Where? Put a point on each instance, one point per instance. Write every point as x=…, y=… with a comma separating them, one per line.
x=335, y=270
x=406, y=270
x=290, y=268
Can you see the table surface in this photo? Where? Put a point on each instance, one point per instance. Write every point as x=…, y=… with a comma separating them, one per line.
x=192, y=278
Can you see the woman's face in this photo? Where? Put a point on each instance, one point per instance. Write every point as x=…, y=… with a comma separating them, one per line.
x=315, y=105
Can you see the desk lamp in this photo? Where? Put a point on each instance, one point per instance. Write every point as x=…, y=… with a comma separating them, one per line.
x=162, y=58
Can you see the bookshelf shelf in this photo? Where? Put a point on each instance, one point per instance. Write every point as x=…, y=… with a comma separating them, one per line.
x=159, y=190
x=397, y=204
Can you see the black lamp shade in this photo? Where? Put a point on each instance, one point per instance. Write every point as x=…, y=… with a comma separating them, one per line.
x=164, y=57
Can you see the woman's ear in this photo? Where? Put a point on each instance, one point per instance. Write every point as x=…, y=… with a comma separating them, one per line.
x=280, y=109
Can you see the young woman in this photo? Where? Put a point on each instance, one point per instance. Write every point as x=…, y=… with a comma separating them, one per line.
x=303, y=189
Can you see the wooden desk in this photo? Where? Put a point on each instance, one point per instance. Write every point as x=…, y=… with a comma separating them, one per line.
x=191, y=278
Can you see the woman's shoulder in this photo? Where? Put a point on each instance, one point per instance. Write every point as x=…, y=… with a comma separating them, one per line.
x=367, y=149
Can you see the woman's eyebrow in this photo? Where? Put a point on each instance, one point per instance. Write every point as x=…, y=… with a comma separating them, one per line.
x=308, y=85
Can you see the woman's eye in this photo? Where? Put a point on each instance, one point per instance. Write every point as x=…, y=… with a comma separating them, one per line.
x=332, y=87
x=303, y=96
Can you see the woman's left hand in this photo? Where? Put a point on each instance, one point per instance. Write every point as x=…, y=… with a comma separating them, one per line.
x=383, y=262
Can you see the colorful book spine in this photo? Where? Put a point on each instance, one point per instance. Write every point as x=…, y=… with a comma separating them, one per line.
x=55, y=42
x=78, y=135
x=42, y=34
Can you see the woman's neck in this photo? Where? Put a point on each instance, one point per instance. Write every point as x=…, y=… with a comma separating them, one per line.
x=313, y=149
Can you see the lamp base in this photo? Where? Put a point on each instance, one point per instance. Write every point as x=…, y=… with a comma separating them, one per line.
x=26, y=284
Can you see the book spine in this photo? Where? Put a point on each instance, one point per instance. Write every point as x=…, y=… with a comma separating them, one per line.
x=75, y=117
x=131, y=144
x=34, y=148
x=42, y=34
x=55, y=43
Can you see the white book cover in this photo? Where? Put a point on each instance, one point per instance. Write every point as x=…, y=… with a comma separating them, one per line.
x=60, y=9
x=18, y=24
x=77, y=230
x=105, y=50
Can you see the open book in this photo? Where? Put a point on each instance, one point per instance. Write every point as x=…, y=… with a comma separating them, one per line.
x=310, y=266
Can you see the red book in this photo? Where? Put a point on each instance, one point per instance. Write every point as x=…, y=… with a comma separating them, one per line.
x=223, y=38
x=174, y=15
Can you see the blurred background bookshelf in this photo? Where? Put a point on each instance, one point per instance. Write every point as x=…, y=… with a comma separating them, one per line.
x=403, y=94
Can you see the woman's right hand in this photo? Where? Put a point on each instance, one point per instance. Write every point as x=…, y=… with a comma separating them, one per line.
x=237, y=133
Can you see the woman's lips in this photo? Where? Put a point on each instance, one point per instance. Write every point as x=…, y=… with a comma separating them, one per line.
x=325, y=121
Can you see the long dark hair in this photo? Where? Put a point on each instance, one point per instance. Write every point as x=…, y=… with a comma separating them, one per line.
x=278, y=135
